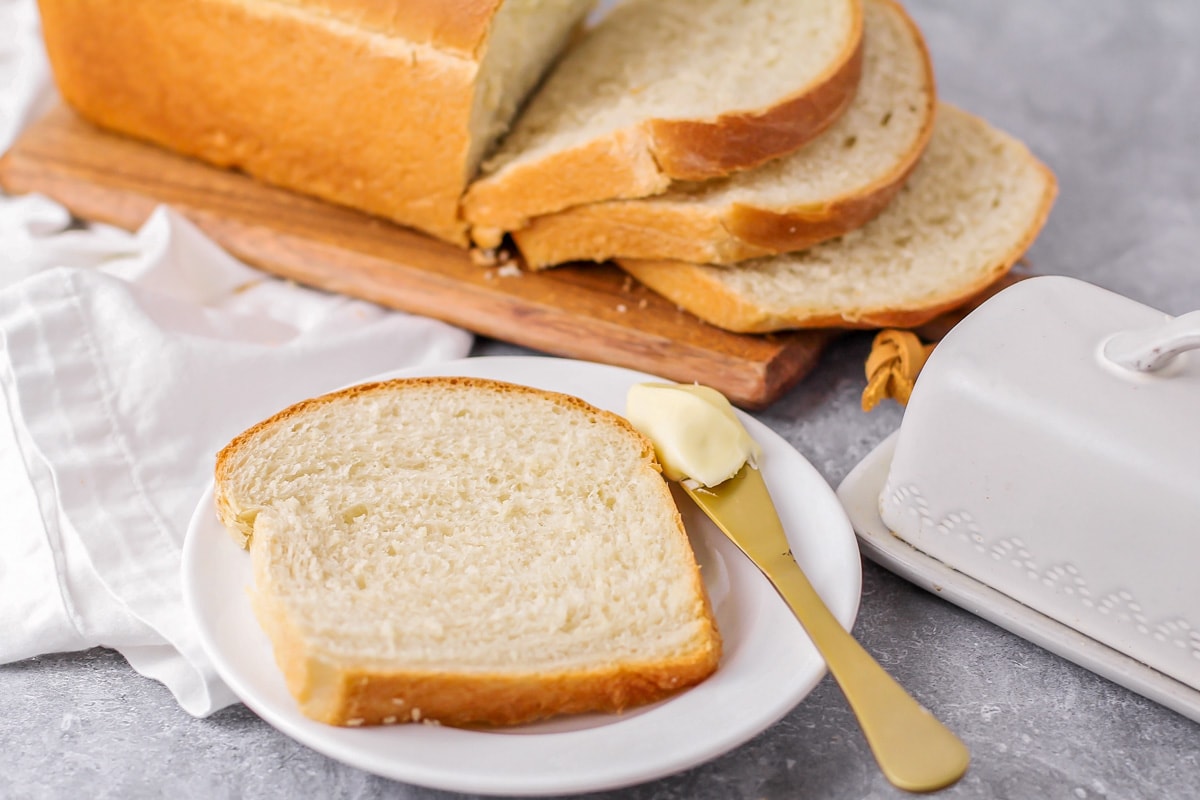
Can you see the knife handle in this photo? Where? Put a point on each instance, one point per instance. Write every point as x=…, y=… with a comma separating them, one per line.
x=914, y=750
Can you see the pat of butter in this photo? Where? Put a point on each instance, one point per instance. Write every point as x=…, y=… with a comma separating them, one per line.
x=695, y=431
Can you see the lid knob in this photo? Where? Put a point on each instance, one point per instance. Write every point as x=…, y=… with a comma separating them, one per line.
x=1151, y=349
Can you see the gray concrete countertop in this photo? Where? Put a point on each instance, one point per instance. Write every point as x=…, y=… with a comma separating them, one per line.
x=1108, y=93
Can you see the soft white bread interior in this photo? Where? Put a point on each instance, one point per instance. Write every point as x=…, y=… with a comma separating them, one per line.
x=664, y=90
x=970, y=209
x=524, y=40
x=464, y=551
x=831, y=186
x=386, y=106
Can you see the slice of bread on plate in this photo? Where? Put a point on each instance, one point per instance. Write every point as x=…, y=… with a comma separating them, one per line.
x=831, y=186
x=970, y=209
x=382, y=105
x=666, y=90
x=464, y=551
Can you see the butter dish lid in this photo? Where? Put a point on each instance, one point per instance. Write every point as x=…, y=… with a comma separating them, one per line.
x=1051, y=450
x=1117, y=371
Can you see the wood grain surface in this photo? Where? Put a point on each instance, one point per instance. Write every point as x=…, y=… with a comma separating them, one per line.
x=591, y=312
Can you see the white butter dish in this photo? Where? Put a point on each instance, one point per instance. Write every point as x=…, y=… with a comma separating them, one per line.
x=1051, y=451
x=859, y=494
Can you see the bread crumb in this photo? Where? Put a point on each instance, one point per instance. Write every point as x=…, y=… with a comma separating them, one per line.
x=627, y=285
x=509, y=271
x=397, y=701
x=622, y=308
x=433, y=723
x=354, y=723
x=247, y=286
x=389, y=720
x=416, y=715
x=483, y=257
x=643, y=303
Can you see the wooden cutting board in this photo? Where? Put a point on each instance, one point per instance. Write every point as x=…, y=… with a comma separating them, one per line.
x=591, y=312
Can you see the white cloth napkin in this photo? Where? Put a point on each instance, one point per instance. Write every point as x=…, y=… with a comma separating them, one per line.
x=126, y=362
x=25, y=85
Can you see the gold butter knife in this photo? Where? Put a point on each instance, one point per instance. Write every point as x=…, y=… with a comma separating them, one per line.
x=915, y=751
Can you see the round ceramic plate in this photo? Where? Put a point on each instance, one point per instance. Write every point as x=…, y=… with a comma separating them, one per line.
x=767, y=668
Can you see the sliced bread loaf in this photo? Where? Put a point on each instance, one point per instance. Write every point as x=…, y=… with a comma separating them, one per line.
x=464, y=551
x=832, y=185
x=970, y=209
x=664, y=90
x=382, y=105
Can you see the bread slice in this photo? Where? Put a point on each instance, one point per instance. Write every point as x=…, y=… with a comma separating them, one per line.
x=664, y=90
x=831, y=186
x=464, y=551
x=380, y=105
x=972, y=206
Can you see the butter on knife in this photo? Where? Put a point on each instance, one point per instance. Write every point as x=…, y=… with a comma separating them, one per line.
x=695, y=431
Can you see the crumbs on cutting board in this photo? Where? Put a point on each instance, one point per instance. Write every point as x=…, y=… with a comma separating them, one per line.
x=483, y=257
x=498, y=260
x=506, y=271
x=489, y=256
x=509, y=271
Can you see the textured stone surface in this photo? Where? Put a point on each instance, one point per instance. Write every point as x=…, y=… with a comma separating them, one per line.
x=1108, y=93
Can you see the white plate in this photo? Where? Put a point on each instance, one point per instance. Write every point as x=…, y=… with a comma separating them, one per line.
x=767, y=668
x=859, y=493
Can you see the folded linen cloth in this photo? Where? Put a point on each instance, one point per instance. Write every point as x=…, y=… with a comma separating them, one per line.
x=126, y=361
x=25, y=86
x=123, y=370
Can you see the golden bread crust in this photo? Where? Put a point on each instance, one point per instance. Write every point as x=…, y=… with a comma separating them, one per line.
x=459, y=26
x=698, y=288
x=643, y=160
x=619, y=165
x=221, y=81
x=631, y=228
x=696, y=150
x=702, y=234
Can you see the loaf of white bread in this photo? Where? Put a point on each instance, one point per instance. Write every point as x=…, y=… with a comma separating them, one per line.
x=464, y=551
x=387, y=106
x=763, y=165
